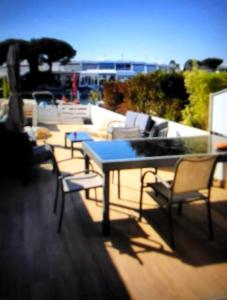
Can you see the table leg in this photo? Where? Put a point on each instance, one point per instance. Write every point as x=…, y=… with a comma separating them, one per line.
x=65, y=140
x=86, y=162
x=86, y=167
x=72, y=149
x=106, y=190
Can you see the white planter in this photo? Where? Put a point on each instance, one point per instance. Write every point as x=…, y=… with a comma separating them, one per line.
x=73, y=113
x=48, y=114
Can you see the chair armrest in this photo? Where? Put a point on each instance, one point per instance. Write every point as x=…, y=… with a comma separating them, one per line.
x=110, y=123
x=145, y=133
x=157, y=177
x=78, y=173
x=164, y=182
x=148, y=172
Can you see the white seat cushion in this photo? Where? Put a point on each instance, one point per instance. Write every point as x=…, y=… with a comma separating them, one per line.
x=81, y=181
x=130, y=118
x=141, y=121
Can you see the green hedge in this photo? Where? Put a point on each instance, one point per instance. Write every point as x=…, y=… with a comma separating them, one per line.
x=159, y=93
x=178, y=96
x=199, y=85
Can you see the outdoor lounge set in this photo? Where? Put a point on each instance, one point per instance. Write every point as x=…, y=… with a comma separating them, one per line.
x=192, y=176
x=140, y=143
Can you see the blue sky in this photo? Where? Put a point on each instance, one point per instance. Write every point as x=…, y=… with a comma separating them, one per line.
x=143, y=30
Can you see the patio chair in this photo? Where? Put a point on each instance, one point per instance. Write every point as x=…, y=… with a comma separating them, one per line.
x=74, y=183
x=124, y=133
x=159, y=130
x=44, y=97
x=192, y=181
x=145, y=123
x=18, y=153
x=130, y=119
x=133, y=120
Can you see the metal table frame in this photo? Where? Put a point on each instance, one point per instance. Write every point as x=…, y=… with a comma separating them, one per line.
x=80, y=137
x=109, y=165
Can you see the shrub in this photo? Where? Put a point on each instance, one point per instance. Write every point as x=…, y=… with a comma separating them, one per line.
x=115, y=96
x=5, y=88
x=160, y=93
x=199, y=84
x=95, y=96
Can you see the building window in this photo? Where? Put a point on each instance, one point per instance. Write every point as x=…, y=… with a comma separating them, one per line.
x=139, y=67
x=123, y=66
x=106, y=66
x=89, y=66
x=151, y=68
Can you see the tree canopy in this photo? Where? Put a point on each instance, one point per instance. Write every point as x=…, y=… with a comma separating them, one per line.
x=190, y=64
x=4, y=46
x=174, y=66
x=38, y=51
x=211, y=63
x=48, y=50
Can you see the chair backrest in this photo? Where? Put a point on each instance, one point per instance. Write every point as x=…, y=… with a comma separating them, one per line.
x=193, y=174
x=142, y=121
x=130, y=118
x=159, y=130
x=44, y=97
x=125, y=133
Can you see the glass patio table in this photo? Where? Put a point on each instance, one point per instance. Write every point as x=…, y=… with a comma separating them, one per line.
x=76, y=137
x=144, y=153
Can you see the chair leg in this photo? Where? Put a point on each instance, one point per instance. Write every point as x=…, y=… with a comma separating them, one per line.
x=96, y=198
x=56, y=197
x=172, y=242
x=54, y=170
x=61, y=213
x=209, y=218
x=179, y=211
x=118, y=184
x=156, y=180
x=155, y=172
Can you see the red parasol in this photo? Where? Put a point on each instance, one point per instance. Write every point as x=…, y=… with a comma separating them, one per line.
x=74, y=86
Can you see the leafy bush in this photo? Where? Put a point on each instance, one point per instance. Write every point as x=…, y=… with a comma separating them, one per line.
x=160, y=93
x=115, y=96
x=5, y=88
x=95, y=96
x=199, y=84
x=144, y=90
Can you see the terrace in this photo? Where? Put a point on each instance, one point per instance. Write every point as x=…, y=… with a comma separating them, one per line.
x=134, y=262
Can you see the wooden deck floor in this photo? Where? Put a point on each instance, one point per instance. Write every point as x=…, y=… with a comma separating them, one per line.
x=135, y=262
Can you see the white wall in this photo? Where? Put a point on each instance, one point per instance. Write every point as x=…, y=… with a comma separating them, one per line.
x=218, y=112
x=101, y=117
x=218, y=124
x=177, y=129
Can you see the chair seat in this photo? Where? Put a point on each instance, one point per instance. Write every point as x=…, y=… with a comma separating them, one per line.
x=111, y=129
x=160, y=188
x=82, y=181
x=192, y=181
x=42, y=154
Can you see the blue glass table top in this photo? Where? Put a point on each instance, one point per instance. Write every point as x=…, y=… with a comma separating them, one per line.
x=130, y=151
x=79, y=136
